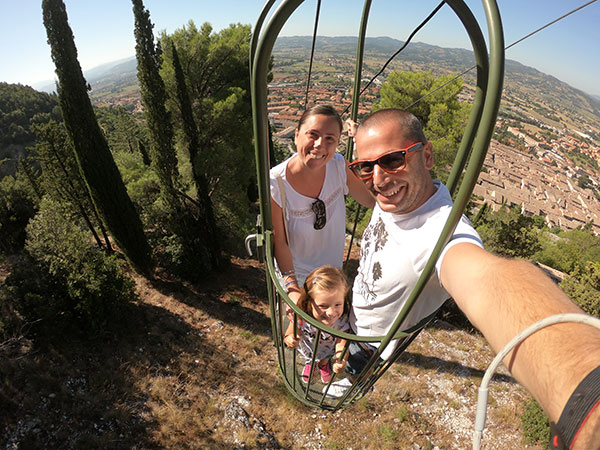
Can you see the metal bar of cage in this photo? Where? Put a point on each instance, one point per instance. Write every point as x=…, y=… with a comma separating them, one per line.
x=471, y=154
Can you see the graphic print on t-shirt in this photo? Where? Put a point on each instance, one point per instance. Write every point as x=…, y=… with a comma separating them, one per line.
x=374, y=239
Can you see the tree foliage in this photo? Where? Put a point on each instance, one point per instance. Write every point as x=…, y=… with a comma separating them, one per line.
x=442, y=116
x=215, y=70
x=60, y=177
x=20, y=108
x=583, y=286
x=192, y=226
x=124, y=131
x=76, y=284
x=158, y=121
x=571, y=249
x=17, y=207
x=509, y=233
x=93, y=155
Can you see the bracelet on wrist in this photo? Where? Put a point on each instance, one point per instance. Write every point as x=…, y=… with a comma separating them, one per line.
x=289, y=272
x=288, y=290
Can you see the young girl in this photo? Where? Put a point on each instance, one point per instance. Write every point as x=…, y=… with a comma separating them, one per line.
x=324, y=297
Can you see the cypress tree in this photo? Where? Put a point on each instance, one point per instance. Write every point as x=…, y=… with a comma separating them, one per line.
x=145, y=157
x=61, y=177
x=194, y=231
x=152, y=87
x=191, y=131
x=92, y=152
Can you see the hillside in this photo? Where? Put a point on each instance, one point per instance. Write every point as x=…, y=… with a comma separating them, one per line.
x=197, y=369
x=525, y=89
x=117, y=80
x=521, y=81
x=112, y=83
x=20, y=108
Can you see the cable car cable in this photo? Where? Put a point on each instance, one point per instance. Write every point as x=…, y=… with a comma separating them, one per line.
x=312, y=53
x=506, y=48
x=421, y=25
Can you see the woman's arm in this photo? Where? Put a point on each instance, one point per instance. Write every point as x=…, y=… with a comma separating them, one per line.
x=358, y=190
x=283, y=255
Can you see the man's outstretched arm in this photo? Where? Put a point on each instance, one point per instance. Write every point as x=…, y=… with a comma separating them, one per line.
x=502, y=297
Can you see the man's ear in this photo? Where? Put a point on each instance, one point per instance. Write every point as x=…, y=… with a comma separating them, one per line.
x=428, y=155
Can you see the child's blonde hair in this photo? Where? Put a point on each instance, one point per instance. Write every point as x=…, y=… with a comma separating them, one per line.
x=323, y=279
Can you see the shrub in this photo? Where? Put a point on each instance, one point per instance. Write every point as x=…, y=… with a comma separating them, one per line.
x=535, y=424
x=179, y=246
x=28, y=298
x=74, y=280
x=387, y=433
x=402, y=413
x=583, y=286
x=16, y=209
x=506, y=232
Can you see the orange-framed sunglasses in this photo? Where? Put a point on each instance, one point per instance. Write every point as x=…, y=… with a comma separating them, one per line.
x=392, y=162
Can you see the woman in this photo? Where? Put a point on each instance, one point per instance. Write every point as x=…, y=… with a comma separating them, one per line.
x=314, y=180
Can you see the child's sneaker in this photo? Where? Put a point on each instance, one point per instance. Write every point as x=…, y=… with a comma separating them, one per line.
x=338, y=388
x=306, y=373
x=326, y=373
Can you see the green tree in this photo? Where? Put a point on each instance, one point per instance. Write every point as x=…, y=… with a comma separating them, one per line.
x=124, y=130
x=583, y=286
x=215, y=68
x=86, y=288
x=190, y=128
x=442, y=116
x=21, y=107
x=158, y=121
x=509, y=233
x=61, y=178
x=93, y=155
x=191, y=241
x=572, y=248
x=17, y=207
x=584, y=181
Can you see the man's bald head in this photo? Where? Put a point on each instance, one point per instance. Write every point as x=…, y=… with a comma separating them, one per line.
x=406, y=121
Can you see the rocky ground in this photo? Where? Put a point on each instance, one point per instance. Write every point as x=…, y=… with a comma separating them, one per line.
x=197, y=369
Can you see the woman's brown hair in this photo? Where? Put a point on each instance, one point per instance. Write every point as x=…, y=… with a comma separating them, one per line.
x=325, y=110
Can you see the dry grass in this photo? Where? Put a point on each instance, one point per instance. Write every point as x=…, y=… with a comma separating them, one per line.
x=197, y=369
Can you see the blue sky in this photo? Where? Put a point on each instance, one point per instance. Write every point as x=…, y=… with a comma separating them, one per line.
x=104, y=30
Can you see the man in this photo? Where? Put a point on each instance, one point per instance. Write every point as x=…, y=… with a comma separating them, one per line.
x=501, y=297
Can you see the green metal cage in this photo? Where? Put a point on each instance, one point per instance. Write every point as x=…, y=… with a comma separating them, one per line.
x=461, y=181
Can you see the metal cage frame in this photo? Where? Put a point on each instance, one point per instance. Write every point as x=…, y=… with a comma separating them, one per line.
x=466, y=168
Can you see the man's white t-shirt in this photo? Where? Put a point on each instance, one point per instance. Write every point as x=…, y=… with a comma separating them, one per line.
x=394, y=251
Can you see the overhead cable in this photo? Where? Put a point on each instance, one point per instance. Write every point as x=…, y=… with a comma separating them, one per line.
x=506, y=48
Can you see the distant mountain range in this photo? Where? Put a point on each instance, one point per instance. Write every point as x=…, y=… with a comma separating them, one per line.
x=126, y=67
x=530, y=82
x=386, y=46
